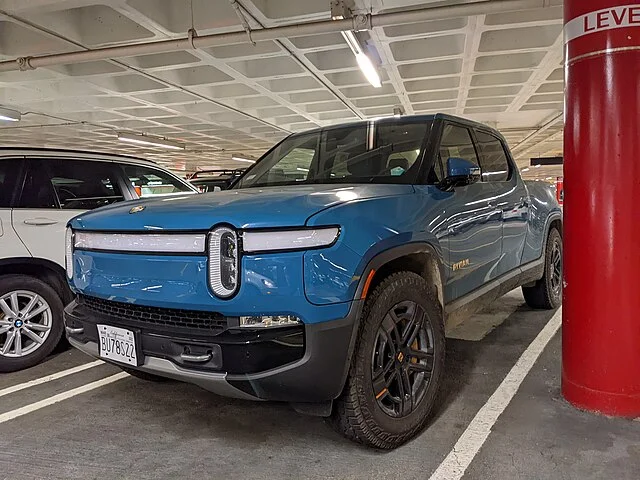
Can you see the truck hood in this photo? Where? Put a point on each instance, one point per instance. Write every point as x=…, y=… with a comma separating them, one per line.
x=244, y=208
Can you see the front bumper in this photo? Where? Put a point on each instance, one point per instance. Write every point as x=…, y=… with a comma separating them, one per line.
x=294, y=364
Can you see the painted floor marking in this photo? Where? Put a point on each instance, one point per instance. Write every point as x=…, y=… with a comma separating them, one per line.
x=472, y=439
x=32, y=407
x=49, y=378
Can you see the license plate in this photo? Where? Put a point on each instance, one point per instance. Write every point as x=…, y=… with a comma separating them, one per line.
x=117, y=344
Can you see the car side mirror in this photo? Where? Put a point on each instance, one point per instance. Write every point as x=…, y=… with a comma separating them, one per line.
x=461, y=172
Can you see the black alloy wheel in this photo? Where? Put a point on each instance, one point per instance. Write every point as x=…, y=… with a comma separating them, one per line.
x=556, y=268
x=397, y=366
x=402, y=360
x=546, y=293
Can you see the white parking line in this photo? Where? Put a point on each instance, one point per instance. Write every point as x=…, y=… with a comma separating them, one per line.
x=32, y=407
x=472, y=439
x=49, y=378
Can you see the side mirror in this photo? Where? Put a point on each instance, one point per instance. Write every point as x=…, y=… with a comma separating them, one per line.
x=461, y=172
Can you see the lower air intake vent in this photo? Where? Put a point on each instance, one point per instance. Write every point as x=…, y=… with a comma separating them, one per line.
x=211, y=322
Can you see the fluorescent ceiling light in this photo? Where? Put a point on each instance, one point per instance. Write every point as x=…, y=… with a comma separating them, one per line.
x=9, y=115
x=364, y=62
x=526, y=169
x=240, y=159
x=140, y=139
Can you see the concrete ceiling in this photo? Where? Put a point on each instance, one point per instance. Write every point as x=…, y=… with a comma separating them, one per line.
x=504, y=69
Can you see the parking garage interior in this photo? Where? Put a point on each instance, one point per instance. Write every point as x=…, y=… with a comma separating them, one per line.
x=191, y=86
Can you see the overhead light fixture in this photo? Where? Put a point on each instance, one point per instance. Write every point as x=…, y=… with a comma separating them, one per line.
x=9, y=115
x=525, y=169
x=241, y=159
x=141, y=139
x=364, y=62
x=398, y=111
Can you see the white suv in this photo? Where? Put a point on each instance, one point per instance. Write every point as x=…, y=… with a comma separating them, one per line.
x=40, y=191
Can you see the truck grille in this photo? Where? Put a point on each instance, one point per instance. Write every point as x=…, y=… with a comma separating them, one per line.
x=210, y=322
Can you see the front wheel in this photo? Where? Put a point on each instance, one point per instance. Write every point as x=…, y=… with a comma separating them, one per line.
x=30, y=321
x=397, y=366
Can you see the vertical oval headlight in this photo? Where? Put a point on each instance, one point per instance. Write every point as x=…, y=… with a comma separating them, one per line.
x=68, y=252
x=223, y=261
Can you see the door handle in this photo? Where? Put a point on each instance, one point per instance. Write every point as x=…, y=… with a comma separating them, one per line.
x=40, y=222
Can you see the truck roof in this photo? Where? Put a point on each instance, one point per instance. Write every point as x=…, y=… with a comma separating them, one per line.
x=434, y=116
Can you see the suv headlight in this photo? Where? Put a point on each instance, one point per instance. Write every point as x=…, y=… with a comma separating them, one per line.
x=68, y=252
x=223, y=261
x=282, y=240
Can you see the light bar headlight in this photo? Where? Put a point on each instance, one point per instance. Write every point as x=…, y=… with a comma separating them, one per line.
x=223, y=261
x=68, y=252
x=282, y=240
x=182, y=243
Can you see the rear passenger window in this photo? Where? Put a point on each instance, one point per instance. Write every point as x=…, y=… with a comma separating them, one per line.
x=456, y=142
x=70, y=184
x=9, y=170
x=493, y=159
x=149, y=182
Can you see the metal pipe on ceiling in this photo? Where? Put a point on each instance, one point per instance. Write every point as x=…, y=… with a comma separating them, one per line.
x=543, y=128
x=358, y=22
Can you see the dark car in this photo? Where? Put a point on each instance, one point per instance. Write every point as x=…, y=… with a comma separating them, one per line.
x=214, y=180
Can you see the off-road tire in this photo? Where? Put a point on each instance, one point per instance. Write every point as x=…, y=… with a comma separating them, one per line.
x=541, y=295
x=356, y=413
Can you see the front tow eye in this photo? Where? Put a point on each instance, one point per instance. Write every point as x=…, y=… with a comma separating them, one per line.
x=196, y=358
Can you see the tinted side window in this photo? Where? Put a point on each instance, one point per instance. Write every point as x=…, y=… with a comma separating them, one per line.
x=9, y=170
x=456, y=142
x=70, y=184
x=493, y=162
x=38, y=190
x=150, y=182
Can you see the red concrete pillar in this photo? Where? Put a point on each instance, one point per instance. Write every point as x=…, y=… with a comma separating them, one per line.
x=601, y=313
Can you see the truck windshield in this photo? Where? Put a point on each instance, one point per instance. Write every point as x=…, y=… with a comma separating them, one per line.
x=385, y=151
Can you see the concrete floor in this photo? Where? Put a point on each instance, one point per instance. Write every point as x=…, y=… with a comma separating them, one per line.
x=138, y=430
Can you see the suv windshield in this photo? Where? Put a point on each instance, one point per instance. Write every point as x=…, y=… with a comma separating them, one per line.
x=386, y=151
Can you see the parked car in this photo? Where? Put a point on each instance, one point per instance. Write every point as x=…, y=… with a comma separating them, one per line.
x=40, y=191
x=326, y=276
x=214, y=180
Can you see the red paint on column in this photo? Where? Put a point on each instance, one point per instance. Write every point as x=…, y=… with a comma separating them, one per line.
x=601, y=313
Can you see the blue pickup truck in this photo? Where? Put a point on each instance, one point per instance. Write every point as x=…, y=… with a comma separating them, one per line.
x=326, y=276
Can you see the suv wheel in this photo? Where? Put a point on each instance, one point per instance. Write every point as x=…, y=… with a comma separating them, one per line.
x=397, y=366
x=547, y=292
x=30, y=321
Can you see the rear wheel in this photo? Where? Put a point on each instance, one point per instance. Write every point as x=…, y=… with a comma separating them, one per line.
x=30, y=321
x=397, y=365
x=547, y=292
